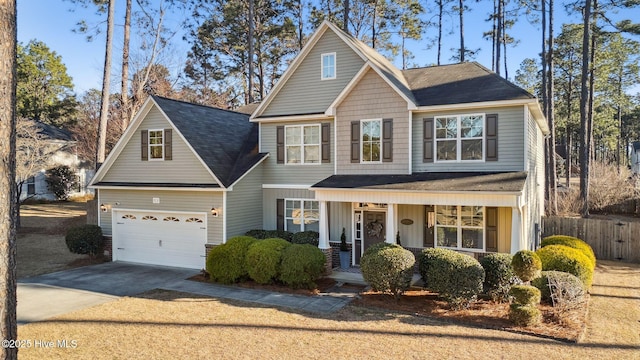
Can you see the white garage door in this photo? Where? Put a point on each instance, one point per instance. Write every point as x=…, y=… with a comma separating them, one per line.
x=161, y=238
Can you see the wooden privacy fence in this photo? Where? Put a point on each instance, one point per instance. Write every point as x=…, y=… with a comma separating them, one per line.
x=610, y=239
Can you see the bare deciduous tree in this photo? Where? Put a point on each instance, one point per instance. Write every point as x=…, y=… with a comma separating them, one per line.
x=34, y=152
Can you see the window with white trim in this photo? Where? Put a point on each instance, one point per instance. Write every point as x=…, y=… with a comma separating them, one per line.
x=31, y=185
x=328, y=66
x=460, y=227
x=301, y=215
x=460, y=137
x=371, y=140
x=302, y=144
x=156, y=144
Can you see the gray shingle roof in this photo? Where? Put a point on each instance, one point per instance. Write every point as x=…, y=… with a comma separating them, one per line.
x=51, y=132
x=431, y=181
x=460, y=83
x=225, y=140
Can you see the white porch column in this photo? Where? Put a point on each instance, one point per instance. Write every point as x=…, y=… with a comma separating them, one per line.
x=516, y=229
x=391, y=223
x=323, y=241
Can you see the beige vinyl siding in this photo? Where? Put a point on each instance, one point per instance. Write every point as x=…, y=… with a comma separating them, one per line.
x=304, y=92
x=244, y=210
x=534, y=188
x=184, y=168
x=188, y=201
x=373, y=98
x=411, y=235
x=269, y=197
x=510, y=142
x=274, y=173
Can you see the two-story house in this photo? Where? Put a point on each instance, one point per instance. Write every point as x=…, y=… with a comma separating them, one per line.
x=445, y=156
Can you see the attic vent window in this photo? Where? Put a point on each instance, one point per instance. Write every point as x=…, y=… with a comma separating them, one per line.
x=328, y=66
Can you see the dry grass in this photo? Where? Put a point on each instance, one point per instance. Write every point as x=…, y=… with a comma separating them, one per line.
x=614, y=313
x=169, y=325
x=41, y=246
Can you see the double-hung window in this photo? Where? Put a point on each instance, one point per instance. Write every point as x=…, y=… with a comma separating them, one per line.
x=370, y=140
x=302, y=144
x=460, y=137
x=460, y=227
x=156, y=144
x=301, y=215
x=328, y=70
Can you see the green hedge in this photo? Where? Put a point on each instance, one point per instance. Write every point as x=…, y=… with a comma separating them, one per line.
x=263, y=259
x=458, y=278
x=306, y=237
x=85, y=240
x=527, y=265
x=569, y=285
x=302, y=265
x=499, y=276
x=226, y=262
x=572, y=242
x=388, y=268
x=567, y=259
x=269, y=234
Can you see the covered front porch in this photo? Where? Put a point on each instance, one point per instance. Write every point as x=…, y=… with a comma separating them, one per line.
x=470, y=213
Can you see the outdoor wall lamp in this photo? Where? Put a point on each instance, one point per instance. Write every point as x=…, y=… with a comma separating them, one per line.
x=103, y=208
x=214, y=212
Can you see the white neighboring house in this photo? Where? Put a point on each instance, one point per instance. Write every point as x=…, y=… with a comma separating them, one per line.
x=36, y=186
x=635, y=158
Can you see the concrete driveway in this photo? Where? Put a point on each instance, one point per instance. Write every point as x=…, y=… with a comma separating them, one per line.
x=45, y=296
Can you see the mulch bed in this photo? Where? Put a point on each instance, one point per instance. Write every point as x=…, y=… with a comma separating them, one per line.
x=420, y=302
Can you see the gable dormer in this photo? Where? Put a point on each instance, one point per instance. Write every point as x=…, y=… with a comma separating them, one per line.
x=315, y=78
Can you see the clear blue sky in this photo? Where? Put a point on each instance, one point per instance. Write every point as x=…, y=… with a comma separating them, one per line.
x=52, y=21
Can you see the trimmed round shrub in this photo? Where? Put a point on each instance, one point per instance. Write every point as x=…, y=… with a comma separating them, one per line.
x=263, y=259
x=85, y=240
x=524, y=315
x=226, y=262
x=527, y=265
x=306, y=237
x=567, y=259
x=572, y=242
x=525, y=295
x=388, y=268
x=301, y=266
x=458, y=278
x=568, y=285
x=499, y=276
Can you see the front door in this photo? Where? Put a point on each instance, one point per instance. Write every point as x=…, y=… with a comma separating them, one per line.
x=374, y=228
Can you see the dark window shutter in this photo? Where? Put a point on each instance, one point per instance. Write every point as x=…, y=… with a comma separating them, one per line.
x=387, y=140
x=326, y=142
x=280, y=144
x=280, y=214
x=168, y=149
x=355, y=141
x=491, y=220
x=144, y=145
x=427, y=140
x=492, y=137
